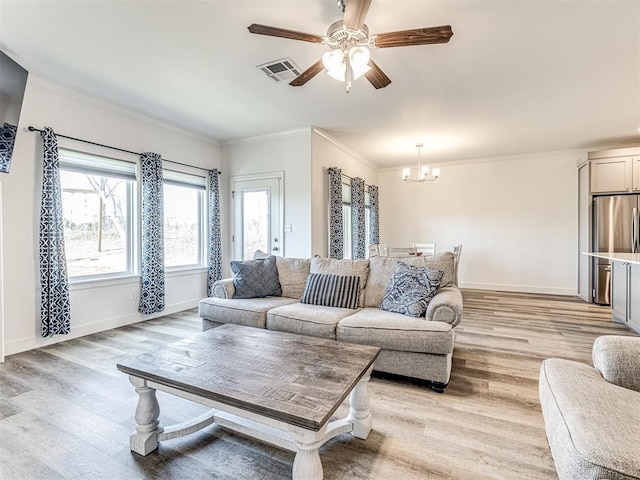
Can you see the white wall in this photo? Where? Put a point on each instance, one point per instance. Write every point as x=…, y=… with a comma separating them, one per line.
x=326, y=153
x=94, y=307
x=517, y=219
x=289, y=152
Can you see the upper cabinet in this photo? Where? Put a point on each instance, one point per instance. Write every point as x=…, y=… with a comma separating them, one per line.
x=615, y=171
x=636, y=173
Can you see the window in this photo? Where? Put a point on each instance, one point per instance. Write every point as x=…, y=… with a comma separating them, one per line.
x=183, y=219
x=347, y=221
x=97, y=204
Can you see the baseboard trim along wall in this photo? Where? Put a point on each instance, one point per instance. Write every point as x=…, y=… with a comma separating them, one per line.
x=519, y=288
x=30, y=343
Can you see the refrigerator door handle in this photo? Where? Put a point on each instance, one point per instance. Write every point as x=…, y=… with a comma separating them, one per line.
x=637, y=245
x=634, y=230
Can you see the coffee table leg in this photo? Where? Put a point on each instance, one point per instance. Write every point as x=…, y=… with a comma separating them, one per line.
x=359, y=413
x=307, y=464
x=145, y=439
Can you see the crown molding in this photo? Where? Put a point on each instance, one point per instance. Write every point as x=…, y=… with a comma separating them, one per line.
x=325, y=136
x=86, y=98
x=265, y=137
x=580, y=152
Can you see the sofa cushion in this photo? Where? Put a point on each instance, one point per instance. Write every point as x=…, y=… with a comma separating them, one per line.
x=304, y=319
x=256, y=278
x=340, y=291
x=393, y=331
x=251, y=312
x=345, y=266
x=593, y=427
x=292, y=273
x=411, y=289
x=381, y=270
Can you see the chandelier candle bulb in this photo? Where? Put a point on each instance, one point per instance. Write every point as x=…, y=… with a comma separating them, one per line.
x=436, y=172
x=406, y=173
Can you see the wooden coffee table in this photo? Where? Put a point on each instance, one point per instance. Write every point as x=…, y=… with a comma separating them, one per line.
x=277, y=387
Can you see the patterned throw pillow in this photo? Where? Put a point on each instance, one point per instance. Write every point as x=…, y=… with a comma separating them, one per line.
x=332, y=290
x=256, y=278
x=411, y=289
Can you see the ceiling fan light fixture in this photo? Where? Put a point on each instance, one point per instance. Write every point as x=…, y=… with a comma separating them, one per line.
x=333, y=62
x=359, y=57
x=350, y=37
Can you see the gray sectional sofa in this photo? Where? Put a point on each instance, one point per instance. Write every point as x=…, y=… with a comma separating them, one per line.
x=592, y=414
x=414, y=347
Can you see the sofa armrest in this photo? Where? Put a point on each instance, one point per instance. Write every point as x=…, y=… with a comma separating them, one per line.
x=446, y=306
x=617, y=358
x=224, y=288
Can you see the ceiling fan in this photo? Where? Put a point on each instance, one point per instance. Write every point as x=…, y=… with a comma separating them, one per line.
x=349, y=41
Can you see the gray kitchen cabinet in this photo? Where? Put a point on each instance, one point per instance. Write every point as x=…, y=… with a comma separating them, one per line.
x=615, y=171
x=625, y=294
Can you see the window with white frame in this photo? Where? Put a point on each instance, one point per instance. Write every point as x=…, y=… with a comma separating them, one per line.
x=184, y=197
x=98, y=209
x=347, y=221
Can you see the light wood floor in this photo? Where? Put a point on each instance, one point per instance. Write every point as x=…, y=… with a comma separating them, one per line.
x=66, y=412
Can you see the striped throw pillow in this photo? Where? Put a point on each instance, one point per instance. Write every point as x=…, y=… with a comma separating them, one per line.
x=332, y=290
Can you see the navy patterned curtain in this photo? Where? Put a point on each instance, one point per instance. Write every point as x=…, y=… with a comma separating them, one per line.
x=358, y=230
x=336, y=222
x=55, y=309
x=152, y=265
x=7, y=140
x=215, y=243
x=374, y=215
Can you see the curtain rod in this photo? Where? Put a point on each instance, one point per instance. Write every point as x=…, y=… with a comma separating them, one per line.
x=351, y=178
x=34, y=129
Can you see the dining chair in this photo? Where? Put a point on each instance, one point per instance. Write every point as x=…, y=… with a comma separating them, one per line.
x=457, y=251
x=401, y=251
x=425, y=248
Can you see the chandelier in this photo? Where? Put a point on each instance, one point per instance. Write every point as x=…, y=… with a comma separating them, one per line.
x=348, y=57
x=424, y=174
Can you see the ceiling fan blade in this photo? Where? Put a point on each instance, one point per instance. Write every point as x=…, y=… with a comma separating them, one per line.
x=418, y=36
x=355, y=11
x=308, y=74
x=376, y=76
x=283, y=33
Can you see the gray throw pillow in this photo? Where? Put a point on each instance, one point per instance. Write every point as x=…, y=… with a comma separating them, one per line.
x=256, y=278
x=411, y=289
x=340, y=291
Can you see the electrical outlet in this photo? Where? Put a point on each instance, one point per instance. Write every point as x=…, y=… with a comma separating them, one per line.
x=133, y=295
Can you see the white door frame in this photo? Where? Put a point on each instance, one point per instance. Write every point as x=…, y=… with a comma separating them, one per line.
x=1, y=280
x=278, y=175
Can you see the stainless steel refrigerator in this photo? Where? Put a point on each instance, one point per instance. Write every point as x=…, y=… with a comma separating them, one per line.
x=616, y=224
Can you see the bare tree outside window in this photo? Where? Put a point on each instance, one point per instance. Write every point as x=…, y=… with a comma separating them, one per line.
x=95, y=217
x=181, y=225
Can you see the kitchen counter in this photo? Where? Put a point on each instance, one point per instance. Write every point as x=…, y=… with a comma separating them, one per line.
x=633, y=258
x=624, y=273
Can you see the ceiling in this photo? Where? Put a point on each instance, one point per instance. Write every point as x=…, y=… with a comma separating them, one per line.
x=517, y=77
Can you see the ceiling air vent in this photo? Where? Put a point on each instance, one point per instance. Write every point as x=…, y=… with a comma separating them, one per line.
x=280, y=70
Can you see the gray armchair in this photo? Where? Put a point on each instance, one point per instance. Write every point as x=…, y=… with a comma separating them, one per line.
x=592, y=414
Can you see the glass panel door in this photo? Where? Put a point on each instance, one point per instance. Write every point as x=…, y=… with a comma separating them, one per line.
x=257, y=219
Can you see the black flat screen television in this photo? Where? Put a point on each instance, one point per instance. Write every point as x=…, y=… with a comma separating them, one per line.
x=13, y=81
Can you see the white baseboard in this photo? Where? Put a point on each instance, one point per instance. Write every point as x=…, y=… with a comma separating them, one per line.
x=520, y=288
x=30, y=343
